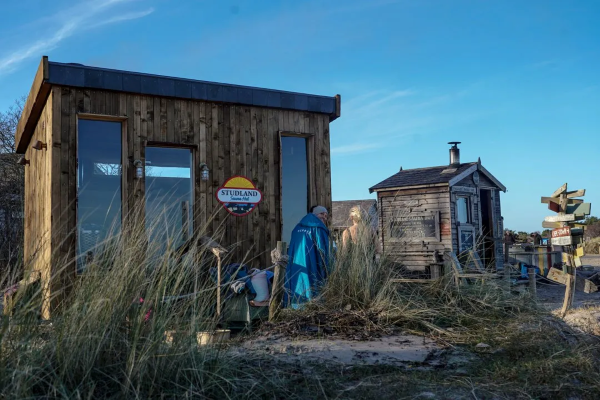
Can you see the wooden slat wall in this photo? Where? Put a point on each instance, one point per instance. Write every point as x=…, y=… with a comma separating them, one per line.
x=231, y=139
x=38, y=195
x=414, y=256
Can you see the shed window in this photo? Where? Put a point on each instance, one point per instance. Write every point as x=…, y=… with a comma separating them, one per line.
x=462, y=210
x=294, y=183
x=98, y=186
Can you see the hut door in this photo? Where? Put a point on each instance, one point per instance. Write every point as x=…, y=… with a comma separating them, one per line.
x=294, y=181
x=487, y=225
x=169, y=196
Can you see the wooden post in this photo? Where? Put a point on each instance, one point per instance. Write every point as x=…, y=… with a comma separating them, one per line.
x=278, y=282
x=218, y=285
x=532, y=282
x=570, y=283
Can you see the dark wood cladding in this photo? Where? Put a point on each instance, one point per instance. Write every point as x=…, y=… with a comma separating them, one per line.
x=230, y=139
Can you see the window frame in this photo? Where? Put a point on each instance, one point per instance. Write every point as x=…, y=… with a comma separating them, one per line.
x=469, y=213
x=194, y=152
x=124, y=171
x=310, y=195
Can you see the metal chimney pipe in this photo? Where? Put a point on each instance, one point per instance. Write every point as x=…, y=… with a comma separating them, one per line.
x=454, y=153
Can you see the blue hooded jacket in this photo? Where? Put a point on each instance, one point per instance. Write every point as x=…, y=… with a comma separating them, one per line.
x=308, y=264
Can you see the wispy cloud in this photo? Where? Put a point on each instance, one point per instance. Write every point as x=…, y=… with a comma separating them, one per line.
x=355, y=148
x=70, y=21
x=125, y=17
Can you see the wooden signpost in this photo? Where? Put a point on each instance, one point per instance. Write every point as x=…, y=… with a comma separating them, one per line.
x=569, y=210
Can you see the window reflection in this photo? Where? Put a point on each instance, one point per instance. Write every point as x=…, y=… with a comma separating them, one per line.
x=169, y=200
x=294, y=182
x=98, y=186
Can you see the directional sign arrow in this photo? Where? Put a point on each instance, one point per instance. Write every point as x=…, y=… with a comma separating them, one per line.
x=546, y=200
x=560, y=218
x=576, y=193
x=553, y=225
x=579, y=209
x=560, y=191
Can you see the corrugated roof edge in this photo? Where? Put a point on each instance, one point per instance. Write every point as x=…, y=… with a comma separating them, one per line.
x=77, y=75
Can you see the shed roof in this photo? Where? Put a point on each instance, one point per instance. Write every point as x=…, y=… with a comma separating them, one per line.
x=82, y=76
x=444, y=174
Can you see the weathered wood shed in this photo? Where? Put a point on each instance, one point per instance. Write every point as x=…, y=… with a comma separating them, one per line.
x=101, y=144
x=454, y=207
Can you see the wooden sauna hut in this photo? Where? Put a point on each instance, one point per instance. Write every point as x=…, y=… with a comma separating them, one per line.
x=100, y=145
x=425, y=212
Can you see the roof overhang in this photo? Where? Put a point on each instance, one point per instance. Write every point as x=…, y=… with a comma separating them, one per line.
x=473, y=168
x=40, y=90
x=77, y=75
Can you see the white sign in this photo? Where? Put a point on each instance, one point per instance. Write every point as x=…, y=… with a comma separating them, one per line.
x=226, y=195
x=560, y=218
x=562, y=241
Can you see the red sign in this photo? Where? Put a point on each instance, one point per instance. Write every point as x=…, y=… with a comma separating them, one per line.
x=553, y=206
x=561, y=232
x=562, y=236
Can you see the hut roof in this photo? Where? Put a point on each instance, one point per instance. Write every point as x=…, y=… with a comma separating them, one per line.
x=444, y=174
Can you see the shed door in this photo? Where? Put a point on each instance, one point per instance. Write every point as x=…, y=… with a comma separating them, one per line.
x=169, y=196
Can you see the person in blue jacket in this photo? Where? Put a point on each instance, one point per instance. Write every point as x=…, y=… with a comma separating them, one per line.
x=309, y=258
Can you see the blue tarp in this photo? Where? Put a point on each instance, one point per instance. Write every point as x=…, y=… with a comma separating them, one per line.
x=308, y=264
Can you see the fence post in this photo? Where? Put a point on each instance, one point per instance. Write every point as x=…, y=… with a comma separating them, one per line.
x=532, y=282
x=278, y=282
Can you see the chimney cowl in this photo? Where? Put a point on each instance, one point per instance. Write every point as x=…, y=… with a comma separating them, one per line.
x=454, y=153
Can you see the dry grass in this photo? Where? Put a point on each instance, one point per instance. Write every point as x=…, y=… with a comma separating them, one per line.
x=101, y=345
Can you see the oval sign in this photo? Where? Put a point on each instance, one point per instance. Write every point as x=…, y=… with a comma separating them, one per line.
x=239, y=196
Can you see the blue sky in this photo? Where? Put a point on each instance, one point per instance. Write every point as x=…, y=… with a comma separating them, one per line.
x=515, y=81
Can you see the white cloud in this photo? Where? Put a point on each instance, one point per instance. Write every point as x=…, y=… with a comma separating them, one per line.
x=71, y=20
x=355, y=148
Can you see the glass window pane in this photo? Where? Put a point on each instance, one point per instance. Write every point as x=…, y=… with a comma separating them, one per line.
x=98, y=186
x=294, y=182
x=462, y=210
x=169, y=199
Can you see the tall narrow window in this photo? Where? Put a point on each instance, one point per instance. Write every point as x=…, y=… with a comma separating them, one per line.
x=294, y=183
x=462, y=210
x=169, y=196
x=98, y=186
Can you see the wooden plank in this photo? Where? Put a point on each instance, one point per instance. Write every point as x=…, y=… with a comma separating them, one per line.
x=559, y=191
x=579, y=209
x=170, y=137
x=177, y=121
x=272, y=176
x=576, y=193
x=164, y=118
x=546, y=200
x=326, y=177
x=554, y=207
x=217, y=155
x=260, y=115
x=464, y=189
x=278, y=284
x=560, y=218
x=256, y=179
x=201, y=132
x=156, y=129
